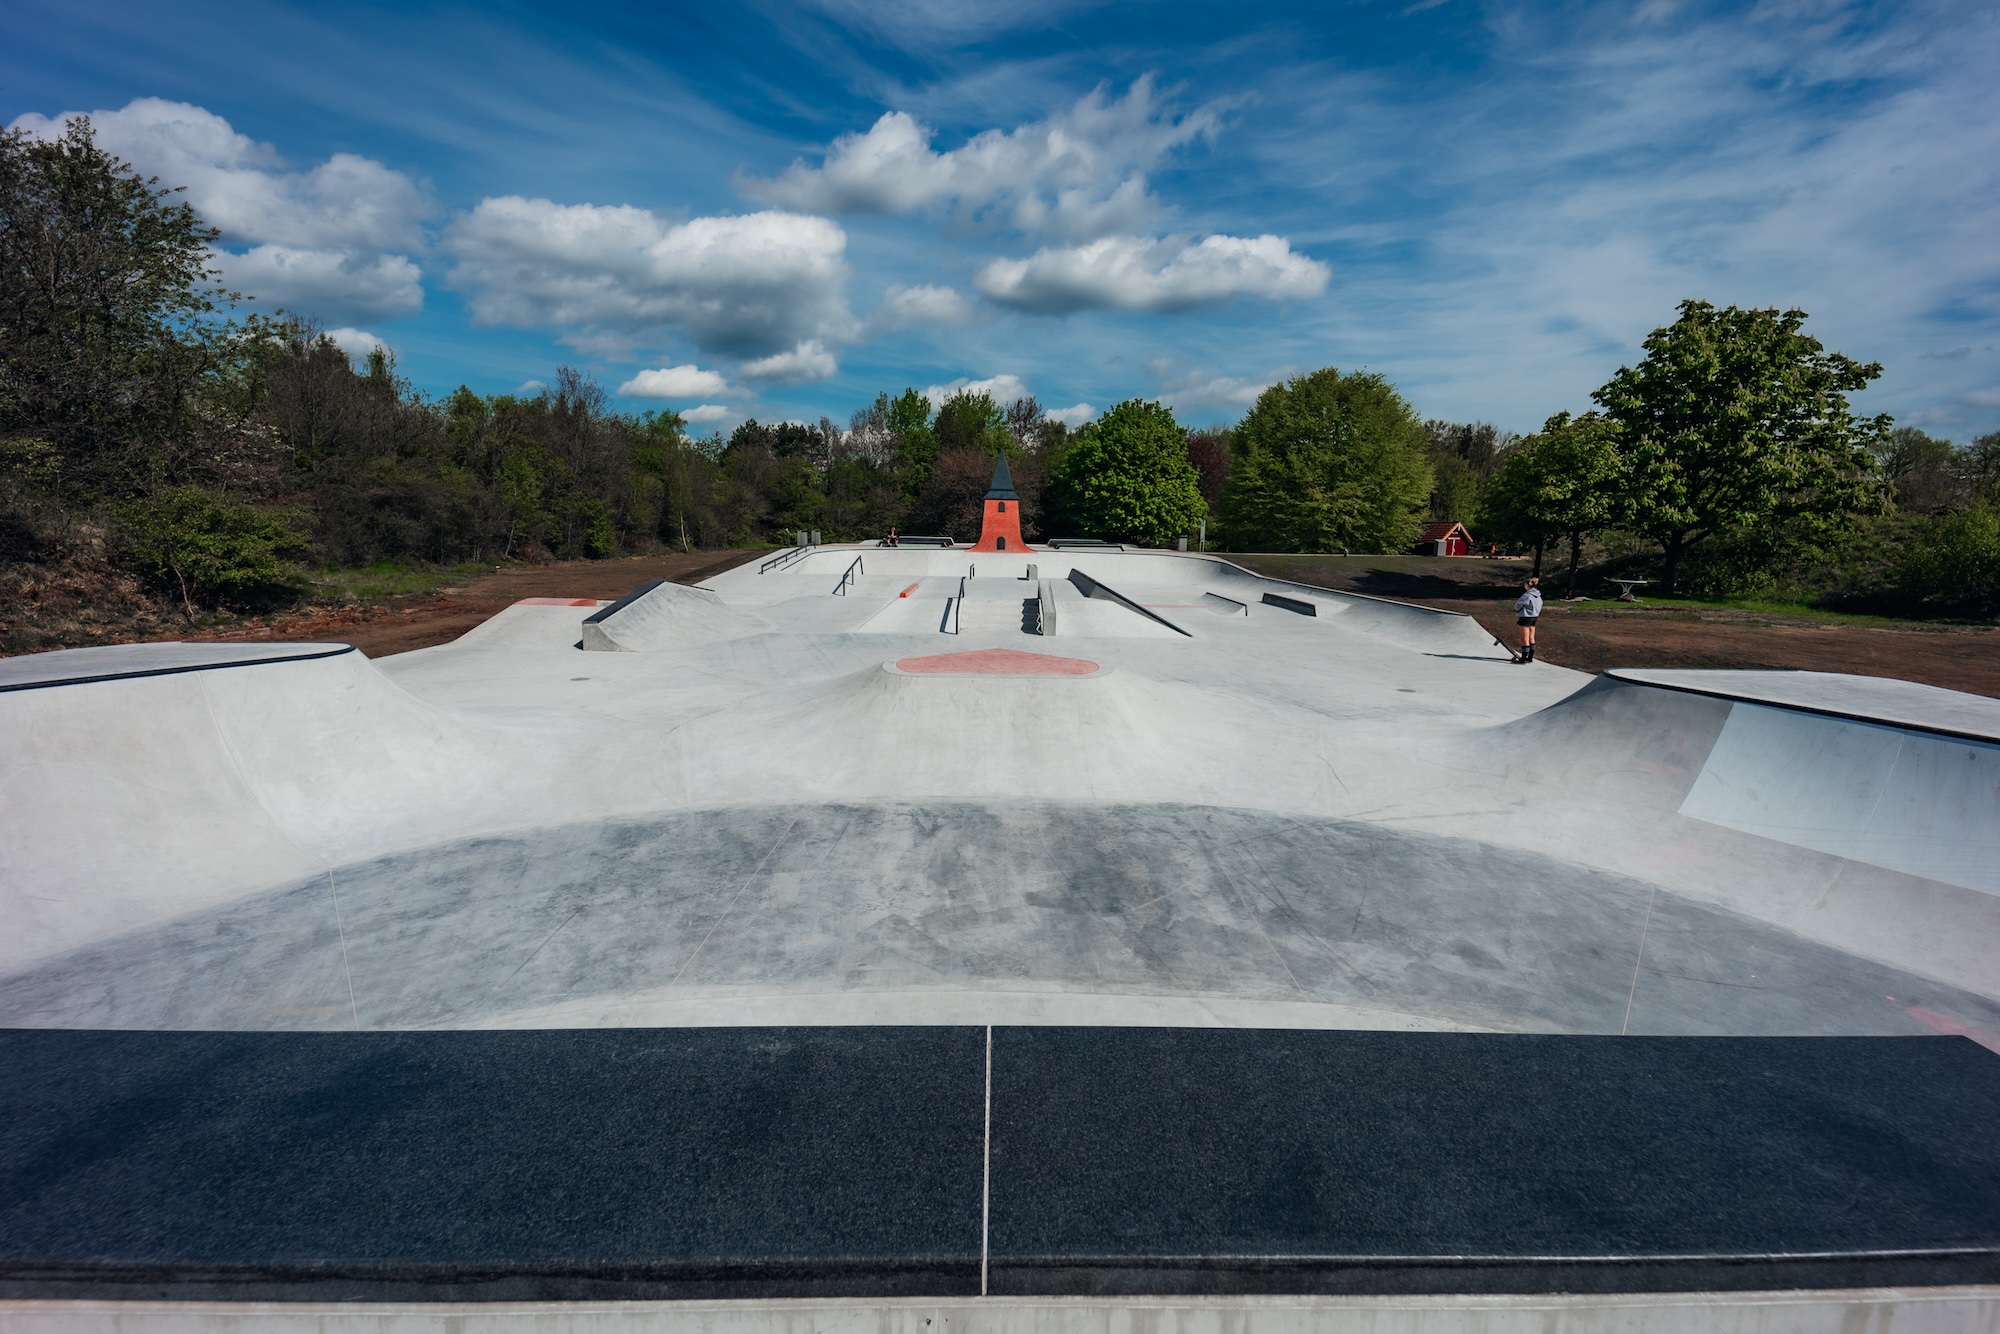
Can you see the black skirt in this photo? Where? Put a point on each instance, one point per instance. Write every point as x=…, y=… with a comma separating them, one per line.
x=1524, y=620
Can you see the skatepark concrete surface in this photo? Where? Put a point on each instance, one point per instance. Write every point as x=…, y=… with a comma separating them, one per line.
x=871, y=786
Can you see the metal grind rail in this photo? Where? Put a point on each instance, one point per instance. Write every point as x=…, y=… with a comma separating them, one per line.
x=1092, y=588
x=782, y=559
x=852, y=573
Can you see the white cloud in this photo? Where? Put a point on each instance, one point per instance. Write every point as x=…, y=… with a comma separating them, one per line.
x=313, y=281
x=1002, y=389
x=1202, y=389
x=1141, y=274
x=342, y=217
x=1073, y=417
x=356, y=343
x=704, y=413
x=904, y=306
x=808, y=361
x=745, y=286
x=528, y=388
x=1078, y=174
x=689, y=381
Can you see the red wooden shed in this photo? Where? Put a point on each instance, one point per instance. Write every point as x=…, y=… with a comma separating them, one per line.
x=1445, y=538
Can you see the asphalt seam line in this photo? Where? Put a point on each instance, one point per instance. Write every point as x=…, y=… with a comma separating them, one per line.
x=986, y=1176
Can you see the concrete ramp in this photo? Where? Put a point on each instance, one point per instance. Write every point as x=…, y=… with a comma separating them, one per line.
x=142, y=782
x=1859, y=811
x=663, y=615
x=1889, y=773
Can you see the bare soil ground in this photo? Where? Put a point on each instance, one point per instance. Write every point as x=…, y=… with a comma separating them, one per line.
x=96, y=606
x=1600, y=633
x=401, y=624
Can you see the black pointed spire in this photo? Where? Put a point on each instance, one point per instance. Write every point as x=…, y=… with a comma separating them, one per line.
x=1003, y=481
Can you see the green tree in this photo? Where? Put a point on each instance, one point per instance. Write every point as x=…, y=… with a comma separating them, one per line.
x=1127, y=477
x=1737, y=418
x=1327, y=462
x=972, y=421
x=105, y=302
x=1567, y=481
x=917, y=443
x=210, y=550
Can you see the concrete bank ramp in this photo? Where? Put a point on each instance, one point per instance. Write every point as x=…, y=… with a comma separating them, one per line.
x=993, y=723
x=665, y=615
x=976, y=912
x=1861, y=811
x=144, y=781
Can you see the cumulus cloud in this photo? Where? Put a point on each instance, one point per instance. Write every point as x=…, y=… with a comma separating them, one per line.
x=746, y=286
x=704, y=413
x=1002, y=389
x=808, y=361
x=1074, y=416
x=1143, y=274
x=1078, y=174
x=343, y=217
x=530, y=387
x=689, y=381
x=905, y=306
x=326, y=280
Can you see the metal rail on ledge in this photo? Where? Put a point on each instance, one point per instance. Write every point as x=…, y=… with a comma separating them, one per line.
x=853, y=572
x=782, y=559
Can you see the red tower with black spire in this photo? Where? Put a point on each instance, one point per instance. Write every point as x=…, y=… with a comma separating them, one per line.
x=1000, y=529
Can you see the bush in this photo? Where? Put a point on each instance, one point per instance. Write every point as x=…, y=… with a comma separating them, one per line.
x=1743, y=564
x=1952, y=563
x=210, y=551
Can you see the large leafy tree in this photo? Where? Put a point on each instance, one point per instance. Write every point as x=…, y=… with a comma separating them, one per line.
x=1737, y=418
x=1327, y=462
x=1566, y=481
x=1127, y=477
x=107, y=304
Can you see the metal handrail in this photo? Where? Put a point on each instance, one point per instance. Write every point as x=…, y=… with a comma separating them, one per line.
x=852, y=572
x=788, y=554
x=957, y=605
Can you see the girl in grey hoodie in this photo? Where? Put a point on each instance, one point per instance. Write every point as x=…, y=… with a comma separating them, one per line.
x=1527, y=610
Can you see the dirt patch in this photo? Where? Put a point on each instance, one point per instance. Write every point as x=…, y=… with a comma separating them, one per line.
x=89, y=602
x=402, y=624
x=1600, y=634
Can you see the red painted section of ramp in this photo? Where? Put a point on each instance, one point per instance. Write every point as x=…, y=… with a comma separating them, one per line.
x=997, y=662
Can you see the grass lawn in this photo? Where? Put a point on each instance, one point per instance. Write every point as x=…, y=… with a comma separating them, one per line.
x=375, y=583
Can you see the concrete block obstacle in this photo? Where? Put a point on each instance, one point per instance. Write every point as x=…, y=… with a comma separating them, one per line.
x=1029, y=790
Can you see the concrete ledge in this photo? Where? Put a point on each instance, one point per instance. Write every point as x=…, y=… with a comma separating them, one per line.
x=1955, y=1310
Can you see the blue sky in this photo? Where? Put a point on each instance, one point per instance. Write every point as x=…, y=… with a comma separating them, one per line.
x=776, y=210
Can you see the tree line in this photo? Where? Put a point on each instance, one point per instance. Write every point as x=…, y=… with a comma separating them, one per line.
x=215, y=457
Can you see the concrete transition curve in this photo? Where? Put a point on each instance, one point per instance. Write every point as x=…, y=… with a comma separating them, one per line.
x=948, y=789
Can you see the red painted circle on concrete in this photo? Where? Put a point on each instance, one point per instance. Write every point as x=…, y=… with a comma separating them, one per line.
x=997, y=662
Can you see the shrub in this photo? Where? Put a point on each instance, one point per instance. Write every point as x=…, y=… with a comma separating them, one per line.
x=211, y=551
x=1952, y=563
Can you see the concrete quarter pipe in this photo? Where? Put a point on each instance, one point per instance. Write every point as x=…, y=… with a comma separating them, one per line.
x=955, y=789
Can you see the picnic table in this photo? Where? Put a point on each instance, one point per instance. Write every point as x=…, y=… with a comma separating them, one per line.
x=1628, y=585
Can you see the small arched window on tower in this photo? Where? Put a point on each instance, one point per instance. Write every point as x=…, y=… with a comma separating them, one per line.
x=1003, y=507
x=1001, y=542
